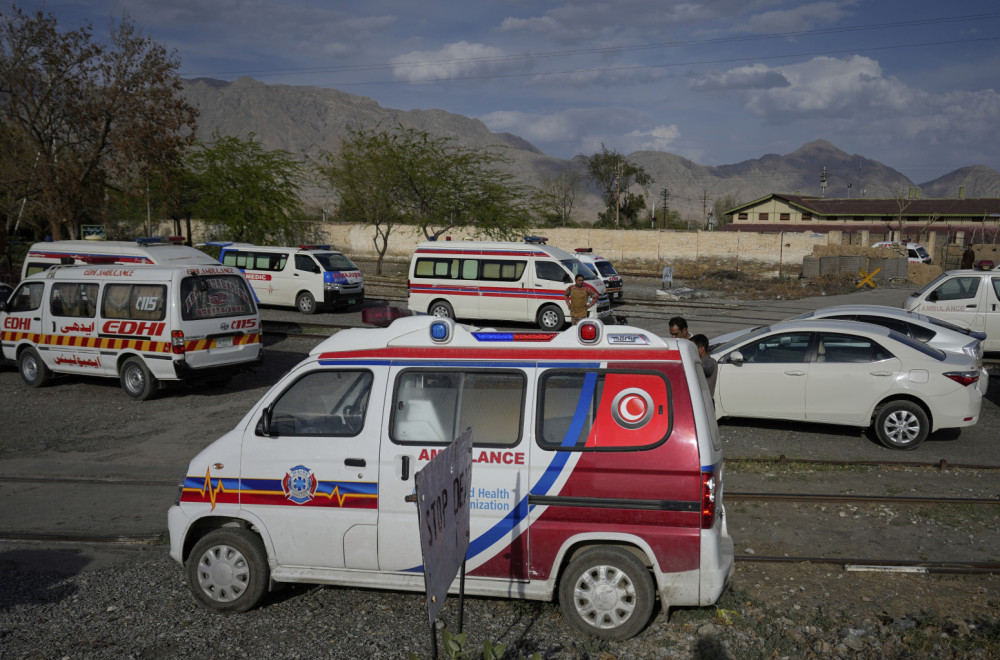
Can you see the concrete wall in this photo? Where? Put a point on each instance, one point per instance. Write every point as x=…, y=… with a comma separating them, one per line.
x=638, y=248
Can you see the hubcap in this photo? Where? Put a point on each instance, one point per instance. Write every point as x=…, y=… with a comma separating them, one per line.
x=223, y=573
x=604, y=597
x=902, y=427
x=29, y=368
x=134, y=379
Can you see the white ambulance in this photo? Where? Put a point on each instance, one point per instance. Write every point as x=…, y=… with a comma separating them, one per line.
x=307, y=277
x=604, y=269
x=597, y=472
x=141, y=251
x=967, y=298
x=500, y=281
x=142, y=324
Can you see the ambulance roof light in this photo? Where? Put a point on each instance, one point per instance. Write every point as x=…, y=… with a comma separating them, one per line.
x=382, y=317
x=440, y=331
x=314, y=247
x=494, y=336
x=149, y=240
x=536, y=239
x=589, y=332
x=586, y=250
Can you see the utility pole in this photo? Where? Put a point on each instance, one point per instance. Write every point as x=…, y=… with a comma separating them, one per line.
x=704, y=202
x=618, y=190
x=822, y=183
x=666, y=211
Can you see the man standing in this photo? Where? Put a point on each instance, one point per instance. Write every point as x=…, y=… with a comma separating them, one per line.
x=708, y=363
x=679, y=328
x=580, y=298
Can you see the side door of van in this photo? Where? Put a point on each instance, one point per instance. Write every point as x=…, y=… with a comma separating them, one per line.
x=306, y=275
x=430, y=407
x=960, y=299
x=991, y=313
x=72, y=320
x=310, y=474
x=23, y=319
x=549, y=285
x=503, y=294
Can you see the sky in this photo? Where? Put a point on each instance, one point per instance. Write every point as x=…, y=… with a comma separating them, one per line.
x=913, y=85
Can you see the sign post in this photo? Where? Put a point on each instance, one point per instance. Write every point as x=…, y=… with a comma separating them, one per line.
x=442, y=497
x=668, y=277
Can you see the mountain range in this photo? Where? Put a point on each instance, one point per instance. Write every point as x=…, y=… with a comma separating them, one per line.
x=309, y=120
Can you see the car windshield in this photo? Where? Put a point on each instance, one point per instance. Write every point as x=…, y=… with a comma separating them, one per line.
x=933, y=285
x=605, y=268
x=576, y=267
x=334, y=261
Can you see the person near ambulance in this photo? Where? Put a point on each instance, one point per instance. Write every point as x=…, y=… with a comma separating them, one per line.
x=580, y=297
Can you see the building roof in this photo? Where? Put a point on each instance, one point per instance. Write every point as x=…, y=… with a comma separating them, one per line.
x=944, y=208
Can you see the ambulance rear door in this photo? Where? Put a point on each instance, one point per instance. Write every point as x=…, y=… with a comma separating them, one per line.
x=218, y=317
x=431, y=405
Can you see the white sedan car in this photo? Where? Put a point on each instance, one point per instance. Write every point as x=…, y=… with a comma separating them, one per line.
x=851, y=373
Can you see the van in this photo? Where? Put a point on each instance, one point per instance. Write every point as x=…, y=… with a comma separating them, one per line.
x=307, y=277
x=915, y=252
x=501, y=281
x=145, y=325
x=603, y=269
x=597, y=472
x=153, y=250
x=968, y=298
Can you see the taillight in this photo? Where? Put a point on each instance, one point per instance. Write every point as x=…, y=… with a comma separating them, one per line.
x=177, y=342
x=965, y=378
x=709, y=488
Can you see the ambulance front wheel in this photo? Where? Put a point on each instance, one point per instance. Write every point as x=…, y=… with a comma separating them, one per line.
x=33, y=371
x=227, y=570
x=137, y=382
x=550, y=318
x=608, y=593
x=441, y=309
x=306, y=303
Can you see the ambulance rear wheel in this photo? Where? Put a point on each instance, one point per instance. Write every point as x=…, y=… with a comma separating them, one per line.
x=306, y=303
x=136, y=380
x=227, y=570
x=607, y=593
x=550, y=318
x=441, y=309
x=33, y=371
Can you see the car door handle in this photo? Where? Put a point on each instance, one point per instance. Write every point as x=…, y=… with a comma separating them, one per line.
x=972, y=306
x=880, y=373
x=795, y=372
x=354, y=462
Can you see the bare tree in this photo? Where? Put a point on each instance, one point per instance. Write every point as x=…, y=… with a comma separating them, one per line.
x=93, y=115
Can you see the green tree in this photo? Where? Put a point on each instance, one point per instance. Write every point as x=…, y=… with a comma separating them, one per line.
x=246, y=192
x=615, y=176
x=92, y=115
x=557, y=195
x=722, y=204
x=385, y=178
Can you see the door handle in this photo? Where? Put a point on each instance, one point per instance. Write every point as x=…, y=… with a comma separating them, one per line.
x=880, y=373
x=406, y=468
x=354, y=462
x=795, y=372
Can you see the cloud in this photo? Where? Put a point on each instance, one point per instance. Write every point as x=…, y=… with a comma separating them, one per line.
x=756, y=76
x=456, y=60
x=660, y=138
x=536, y=128
x=797, y=19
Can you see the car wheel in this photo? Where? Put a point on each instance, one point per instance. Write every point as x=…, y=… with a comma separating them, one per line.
x=901, y=425
x=441, y=309
x=550, y=317
x=136, y=380
x=305, y=303
x=607, y=593
x=227, y=570
x=33, y=371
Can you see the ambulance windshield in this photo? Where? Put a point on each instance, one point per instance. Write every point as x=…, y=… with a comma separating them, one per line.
x=334, y=261
x=576, y=267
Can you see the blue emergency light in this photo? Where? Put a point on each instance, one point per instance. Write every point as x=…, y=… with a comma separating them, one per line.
x=440, y=331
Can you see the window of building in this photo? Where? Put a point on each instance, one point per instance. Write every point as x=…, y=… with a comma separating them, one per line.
x=807, y=216
x=785, y=217
x=763, y=217
x=742, y=216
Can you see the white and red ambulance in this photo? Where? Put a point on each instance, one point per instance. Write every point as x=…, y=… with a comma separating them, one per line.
x=597, y=471
x=145, y=325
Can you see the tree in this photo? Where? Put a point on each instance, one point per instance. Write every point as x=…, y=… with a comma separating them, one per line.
x=557, y=195
x=247, y=193
x=722, y=204
x=615, y=176
x=93, y=115
x=406, y=176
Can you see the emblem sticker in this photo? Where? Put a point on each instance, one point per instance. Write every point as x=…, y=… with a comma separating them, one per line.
x=632, y=408
x=299, y=484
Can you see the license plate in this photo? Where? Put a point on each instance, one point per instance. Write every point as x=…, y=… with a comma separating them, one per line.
x=223, y=342
x=350, y=301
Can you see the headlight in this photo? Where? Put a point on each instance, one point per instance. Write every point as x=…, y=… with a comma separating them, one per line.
x=331, y=286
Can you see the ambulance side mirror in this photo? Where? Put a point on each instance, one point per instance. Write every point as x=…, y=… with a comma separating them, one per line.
x=3, y=305
x=736, y=358
x=264, y=425
x=932, y=296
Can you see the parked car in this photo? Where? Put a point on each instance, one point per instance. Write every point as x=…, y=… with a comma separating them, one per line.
x=850, y=373
x=915, y=252
x=934, y=332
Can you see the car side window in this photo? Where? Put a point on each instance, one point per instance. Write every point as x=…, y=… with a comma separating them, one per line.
x=323, y=403
x=27, y=298
x=846, y=349
x=74, y=299
x=996, y=286
x=305, y=263
x=546, y=270
x=783, y=348
x=958, y=288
